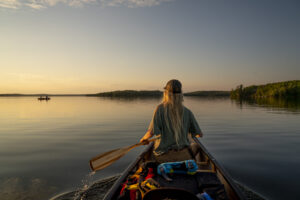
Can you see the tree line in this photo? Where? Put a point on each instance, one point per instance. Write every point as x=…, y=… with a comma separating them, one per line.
x=278, y=90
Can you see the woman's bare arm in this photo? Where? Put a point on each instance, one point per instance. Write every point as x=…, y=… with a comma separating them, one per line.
x=148, y=135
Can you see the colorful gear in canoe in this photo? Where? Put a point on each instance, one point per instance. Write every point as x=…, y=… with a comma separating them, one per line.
x=140, y=182
x=144, y=186
x=183, y=167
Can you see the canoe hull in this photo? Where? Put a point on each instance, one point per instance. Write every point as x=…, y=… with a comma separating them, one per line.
x=208, y=161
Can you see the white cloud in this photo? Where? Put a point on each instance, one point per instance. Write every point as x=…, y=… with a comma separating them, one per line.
x=41, y=4
x=54, y=2
x=78, y=3
x=133, y=3
x=35, y=4
x=12, y=4
x=74, y=3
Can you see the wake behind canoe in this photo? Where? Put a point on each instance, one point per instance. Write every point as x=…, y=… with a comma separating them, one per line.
x=209, y=176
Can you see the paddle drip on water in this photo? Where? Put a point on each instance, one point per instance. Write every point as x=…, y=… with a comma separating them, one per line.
x=85, y=182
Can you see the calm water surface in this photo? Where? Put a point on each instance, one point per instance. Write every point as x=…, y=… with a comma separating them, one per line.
x=45, y=146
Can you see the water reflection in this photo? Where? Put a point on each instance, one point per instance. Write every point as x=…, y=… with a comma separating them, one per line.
x=276, y=104
x=18, y=188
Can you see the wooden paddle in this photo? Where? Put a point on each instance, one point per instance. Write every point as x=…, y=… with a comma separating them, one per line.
x=105, y=159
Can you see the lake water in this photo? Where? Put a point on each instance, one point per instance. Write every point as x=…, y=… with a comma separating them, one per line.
x=45, y=146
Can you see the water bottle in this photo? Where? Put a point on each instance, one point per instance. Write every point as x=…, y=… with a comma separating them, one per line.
x=204, y=196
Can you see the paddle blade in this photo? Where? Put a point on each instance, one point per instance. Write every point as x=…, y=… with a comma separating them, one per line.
x=104, y=160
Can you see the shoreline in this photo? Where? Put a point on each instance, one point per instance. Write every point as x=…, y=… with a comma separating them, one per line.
x=128, y=94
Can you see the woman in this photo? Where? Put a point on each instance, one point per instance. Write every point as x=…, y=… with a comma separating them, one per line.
x=172, y=121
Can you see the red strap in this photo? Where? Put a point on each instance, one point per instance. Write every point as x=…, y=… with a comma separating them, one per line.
x=123, y=187
x=150, y=174
x=132, y=194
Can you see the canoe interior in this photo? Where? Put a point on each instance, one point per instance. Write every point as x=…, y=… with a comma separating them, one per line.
x=207, y=166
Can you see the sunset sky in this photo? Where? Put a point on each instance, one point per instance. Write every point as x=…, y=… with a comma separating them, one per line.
x=90, y=46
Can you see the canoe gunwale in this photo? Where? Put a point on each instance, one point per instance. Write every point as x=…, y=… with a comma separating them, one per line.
x=223, y=172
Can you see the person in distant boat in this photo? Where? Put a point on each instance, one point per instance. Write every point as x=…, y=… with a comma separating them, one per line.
x=173, y=122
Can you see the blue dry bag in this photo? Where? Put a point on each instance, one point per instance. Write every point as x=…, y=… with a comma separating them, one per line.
x=182, y=167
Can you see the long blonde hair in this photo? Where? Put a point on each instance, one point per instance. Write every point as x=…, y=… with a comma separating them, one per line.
x=173, y=113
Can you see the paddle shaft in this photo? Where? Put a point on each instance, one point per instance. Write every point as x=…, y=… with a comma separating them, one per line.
x=105, y=159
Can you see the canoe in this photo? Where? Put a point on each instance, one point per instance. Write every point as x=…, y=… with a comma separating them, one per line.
x=208, y=167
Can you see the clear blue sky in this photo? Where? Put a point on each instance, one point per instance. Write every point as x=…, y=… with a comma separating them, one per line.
x=89, y=46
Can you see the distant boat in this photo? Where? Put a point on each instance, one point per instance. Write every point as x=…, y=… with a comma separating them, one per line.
x=44, y=98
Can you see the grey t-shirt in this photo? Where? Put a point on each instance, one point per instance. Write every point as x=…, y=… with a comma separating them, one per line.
x=167, y=140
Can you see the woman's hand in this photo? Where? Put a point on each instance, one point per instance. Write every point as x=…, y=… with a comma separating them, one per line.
x=199, y=135
x=144, y=141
